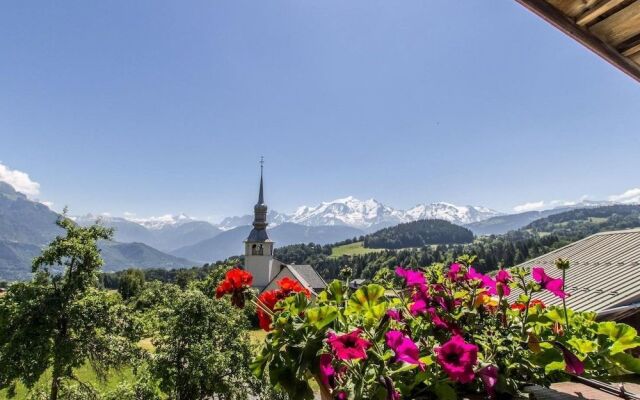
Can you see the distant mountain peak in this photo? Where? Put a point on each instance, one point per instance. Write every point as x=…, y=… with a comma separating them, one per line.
x=162, y=221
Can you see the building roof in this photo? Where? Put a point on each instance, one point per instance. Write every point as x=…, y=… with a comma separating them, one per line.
x=609, y=28
x=604, y=271
x=309, y=275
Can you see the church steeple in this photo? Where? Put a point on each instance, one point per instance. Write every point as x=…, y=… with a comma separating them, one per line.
x=259, y=231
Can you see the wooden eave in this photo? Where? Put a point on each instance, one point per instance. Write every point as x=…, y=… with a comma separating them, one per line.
x=610, y=28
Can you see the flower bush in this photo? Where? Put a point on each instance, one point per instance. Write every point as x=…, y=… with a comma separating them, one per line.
x=441, y=333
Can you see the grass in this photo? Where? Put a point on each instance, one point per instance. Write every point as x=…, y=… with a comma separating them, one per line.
x=84, y=374
x=87, y=375
x=352, y=249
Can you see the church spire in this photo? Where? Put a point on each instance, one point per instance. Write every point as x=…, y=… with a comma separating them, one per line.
x=261, y=195
x=259, y=231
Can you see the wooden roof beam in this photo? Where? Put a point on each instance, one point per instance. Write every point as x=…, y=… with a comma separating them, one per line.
x=550, y=14
x=597, y=10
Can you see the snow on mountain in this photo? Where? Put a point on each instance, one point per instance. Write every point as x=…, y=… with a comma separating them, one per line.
x=162, y=221
x=366, y=214
x=450, y=212
x=273, y=217
x=348, y=211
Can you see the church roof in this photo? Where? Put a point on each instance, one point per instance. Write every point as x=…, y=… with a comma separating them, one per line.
x=310, y=276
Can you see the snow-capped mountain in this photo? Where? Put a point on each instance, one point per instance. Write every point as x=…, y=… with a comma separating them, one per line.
x=275, y=218
x=348, y=211
x=368, y=214
x=450, y=212
x=162, y=221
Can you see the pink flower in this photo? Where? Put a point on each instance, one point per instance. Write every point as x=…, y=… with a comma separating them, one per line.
x=411, y=277
x=455, y=273
x=349, y=346
x=499, y=286
x=406, y=350
x=395, y=314
x=489, y=377
x=327, y=372
x=573, y=365
x=457, y=359
x=475, y=275
x=554, y=285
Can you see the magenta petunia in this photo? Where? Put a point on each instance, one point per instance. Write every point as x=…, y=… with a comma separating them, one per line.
x=349, y=346
x=457, y=359
x=554, y=285
x=573, y=365
x=456, y=273
x=395, y=314
x=406, y=350
x=411, y=277
x=475, y=275
x=327, y=372
x=500, y=285
x=489, y=377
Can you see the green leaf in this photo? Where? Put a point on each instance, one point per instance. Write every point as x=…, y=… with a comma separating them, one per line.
x=623, y=336
x=557, y=314
x=368, y=301
x=321, y=316
x=444, y=391
x=334, y=292
x=583, y=346
x=258, y=364
x=554, y=366
x=627, y=362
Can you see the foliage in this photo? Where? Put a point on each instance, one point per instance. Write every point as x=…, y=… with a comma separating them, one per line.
x=439, y=333
x=131, y=283
x=60, y=320
x=202, y=349
x=418, y=234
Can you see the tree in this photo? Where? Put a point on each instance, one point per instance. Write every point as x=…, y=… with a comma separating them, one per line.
x=202, y=349
x=60, y=320
x=131, y=283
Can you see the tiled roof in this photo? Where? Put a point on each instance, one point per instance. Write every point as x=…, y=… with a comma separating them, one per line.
x=310, y=275
x=604, y=272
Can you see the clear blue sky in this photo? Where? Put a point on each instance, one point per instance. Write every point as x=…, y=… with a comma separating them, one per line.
x=155, y=107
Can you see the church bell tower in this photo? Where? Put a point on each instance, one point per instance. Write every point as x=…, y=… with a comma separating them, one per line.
x=258, y=248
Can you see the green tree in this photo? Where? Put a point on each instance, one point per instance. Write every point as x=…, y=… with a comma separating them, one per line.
x=60, y=320
x=203, y=350
x=131, y=283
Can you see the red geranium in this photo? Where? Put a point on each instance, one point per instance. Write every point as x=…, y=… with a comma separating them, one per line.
x=236, y=281
x=289, y=286
x=537, y=302
x=268, y=300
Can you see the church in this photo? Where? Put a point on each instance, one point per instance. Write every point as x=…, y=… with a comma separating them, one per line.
x=258, y=255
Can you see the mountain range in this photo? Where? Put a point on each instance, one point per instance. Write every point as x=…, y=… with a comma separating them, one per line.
x=180, y=241
x=26, y=226
x=369, y=215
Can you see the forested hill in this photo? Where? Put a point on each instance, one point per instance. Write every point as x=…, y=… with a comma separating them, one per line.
x=587, y=221
x=418, y=234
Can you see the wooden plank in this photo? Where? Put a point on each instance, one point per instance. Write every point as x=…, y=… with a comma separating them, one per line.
x=597, y=10
x=620, y=26
x=555, y=18
x=572, y=8
x=631, y=50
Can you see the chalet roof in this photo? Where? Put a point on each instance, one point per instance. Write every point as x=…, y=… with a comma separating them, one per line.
x=610, y=28
x=604, y=272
